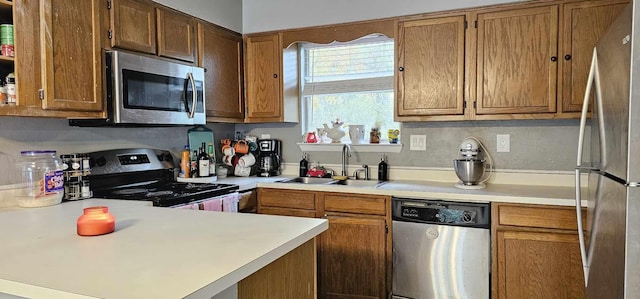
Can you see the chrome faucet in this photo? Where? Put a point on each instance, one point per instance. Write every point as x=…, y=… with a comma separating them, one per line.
x=365, y=169
x=346, y=152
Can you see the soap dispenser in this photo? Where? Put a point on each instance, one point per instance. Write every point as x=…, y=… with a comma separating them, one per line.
x=383, y=174
x=304, y=165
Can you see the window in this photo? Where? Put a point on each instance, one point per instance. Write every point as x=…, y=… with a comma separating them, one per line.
x=350, y=81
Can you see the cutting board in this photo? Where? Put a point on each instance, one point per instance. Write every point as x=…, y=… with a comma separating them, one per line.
x=199, y=134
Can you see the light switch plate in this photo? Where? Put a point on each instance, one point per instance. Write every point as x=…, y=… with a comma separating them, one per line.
x=418, y=143
x=504, y=143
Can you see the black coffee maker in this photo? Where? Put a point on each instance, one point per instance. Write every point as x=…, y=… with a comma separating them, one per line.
x=269, y=158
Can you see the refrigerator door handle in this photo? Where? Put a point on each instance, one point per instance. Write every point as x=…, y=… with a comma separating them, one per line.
x=583, y=249
x=593, y=76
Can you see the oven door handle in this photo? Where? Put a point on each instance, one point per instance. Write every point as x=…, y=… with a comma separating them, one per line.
x=194, y=94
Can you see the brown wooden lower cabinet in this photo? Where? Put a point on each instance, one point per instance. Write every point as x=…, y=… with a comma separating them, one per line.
x=352, y=257
x=293, y=276
x=534, y=258
x=354, y=254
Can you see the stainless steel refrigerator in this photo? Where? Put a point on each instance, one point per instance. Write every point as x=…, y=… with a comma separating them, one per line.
x=610, y=236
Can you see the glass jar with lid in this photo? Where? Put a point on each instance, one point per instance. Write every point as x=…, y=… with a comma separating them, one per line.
x=41, y=178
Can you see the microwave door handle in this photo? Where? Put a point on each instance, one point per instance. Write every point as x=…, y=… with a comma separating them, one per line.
x=194, y=95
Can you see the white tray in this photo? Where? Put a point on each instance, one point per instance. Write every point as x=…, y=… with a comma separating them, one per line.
x=209, y=179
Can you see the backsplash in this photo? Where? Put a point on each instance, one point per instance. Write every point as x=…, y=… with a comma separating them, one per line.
x=26, y=133
x=546, y=145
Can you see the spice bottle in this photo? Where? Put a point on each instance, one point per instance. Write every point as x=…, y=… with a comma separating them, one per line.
x=383, y=169
x=304, y=165
x=11, y=89
x=185, y=162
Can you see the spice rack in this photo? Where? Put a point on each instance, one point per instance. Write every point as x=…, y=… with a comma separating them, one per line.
x=76, y=169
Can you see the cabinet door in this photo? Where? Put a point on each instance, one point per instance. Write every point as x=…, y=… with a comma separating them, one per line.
x=71, y=54
x=263, y=61
x=220, y=54
x=133, y=25
x=430, y=74
x=352, y=258
x=517, y=61
x=176, y=35
x=538, y=265
x=582, y=26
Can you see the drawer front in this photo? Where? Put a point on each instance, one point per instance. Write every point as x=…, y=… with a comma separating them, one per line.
x=359, y=204
x=537, y=216
x=288, y=212
x=287, y=199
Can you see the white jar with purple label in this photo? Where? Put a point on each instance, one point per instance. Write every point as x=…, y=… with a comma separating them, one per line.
x=42, y=179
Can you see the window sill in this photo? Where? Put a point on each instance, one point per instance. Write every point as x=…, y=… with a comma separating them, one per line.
x=362, y=148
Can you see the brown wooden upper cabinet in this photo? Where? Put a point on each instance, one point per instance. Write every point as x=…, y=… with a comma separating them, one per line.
x=220, y=54
x=517, y=61
x=582, y=25
x=71, y=55
x=271, y=79
x=139, y=25
x=430, y=75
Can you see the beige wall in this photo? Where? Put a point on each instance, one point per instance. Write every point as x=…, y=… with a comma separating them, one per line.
x=261, y=15
x=226, y=13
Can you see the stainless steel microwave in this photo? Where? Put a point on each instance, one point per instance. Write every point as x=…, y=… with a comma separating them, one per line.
x=143, y=90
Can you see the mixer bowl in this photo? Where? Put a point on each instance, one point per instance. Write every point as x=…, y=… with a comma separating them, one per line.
x=469, y=171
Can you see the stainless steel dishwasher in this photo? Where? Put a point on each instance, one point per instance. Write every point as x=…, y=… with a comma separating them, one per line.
x=440, y=249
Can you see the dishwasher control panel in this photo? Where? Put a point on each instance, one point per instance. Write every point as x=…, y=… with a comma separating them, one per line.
x=441, y=212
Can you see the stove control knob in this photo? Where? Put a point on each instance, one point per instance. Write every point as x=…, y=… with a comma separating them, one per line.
x=165, y=157
x=101, y=161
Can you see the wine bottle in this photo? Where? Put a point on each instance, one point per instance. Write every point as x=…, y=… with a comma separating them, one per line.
x=203, y=161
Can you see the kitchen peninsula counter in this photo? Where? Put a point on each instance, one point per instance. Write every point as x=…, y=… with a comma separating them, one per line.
x=153, y=253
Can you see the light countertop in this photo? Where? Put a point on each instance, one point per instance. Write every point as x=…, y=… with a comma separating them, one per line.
x=510, y=193
x=154, y=252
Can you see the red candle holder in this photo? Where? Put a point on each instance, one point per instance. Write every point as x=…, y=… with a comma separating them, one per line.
x=96, y=221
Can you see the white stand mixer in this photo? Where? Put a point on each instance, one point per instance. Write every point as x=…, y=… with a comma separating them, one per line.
x=470, y=169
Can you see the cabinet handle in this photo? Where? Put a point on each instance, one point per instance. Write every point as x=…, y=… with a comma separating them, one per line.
x=567, y=57
x=554, y=58
x=275, y=75
x=401, y=68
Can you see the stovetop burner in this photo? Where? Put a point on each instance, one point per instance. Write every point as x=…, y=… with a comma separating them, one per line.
x=146, y=174
x=166, y=194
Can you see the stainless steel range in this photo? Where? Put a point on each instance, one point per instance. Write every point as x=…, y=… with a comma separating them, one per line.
x=146, y=174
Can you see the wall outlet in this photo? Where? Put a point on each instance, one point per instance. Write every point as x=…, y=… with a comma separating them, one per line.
x=418, y=143
x=265, y=136
x=504, y=143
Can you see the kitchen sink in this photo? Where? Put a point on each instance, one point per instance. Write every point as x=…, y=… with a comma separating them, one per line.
x=330, y=181
x=363, y=183
x=309, y=180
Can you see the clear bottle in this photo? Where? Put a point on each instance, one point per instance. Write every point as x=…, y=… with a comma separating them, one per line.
x=212, y=159
x=185, y=162
x=41, y=177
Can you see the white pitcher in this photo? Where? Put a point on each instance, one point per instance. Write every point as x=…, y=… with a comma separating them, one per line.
x=356, y=133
